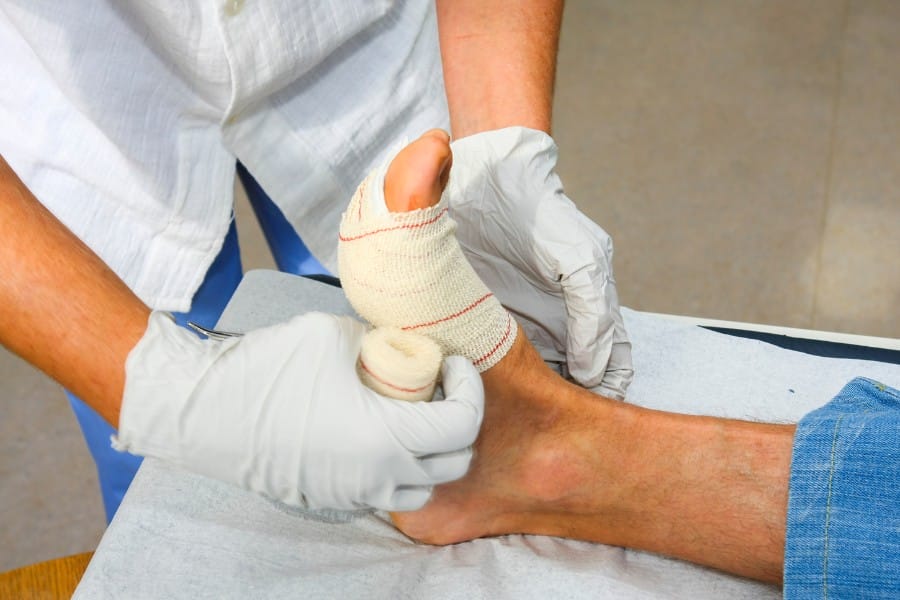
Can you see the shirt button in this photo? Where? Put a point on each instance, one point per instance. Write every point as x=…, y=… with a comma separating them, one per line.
x=233, y=7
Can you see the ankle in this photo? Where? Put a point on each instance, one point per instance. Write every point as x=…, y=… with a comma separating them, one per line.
x=520, y=375
x=581, y=451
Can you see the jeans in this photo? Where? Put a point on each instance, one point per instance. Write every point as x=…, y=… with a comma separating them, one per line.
x=843, y=529
x=115, y=470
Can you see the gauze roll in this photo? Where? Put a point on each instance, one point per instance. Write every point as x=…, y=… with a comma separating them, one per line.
x=406, y=270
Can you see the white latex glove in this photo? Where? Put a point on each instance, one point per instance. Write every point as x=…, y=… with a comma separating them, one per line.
x=547, y=262
x=281, y=411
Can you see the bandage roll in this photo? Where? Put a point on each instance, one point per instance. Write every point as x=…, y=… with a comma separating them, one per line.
x=399, y=364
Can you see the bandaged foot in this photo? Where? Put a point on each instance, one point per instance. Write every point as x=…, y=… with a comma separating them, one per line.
x=401, y=266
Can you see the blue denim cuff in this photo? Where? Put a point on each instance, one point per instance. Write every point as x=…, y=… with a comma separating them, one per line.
x=843, y=519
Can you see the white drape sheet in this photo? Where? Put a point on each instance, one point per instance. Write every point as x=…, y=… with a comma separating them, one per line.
x=178, y=535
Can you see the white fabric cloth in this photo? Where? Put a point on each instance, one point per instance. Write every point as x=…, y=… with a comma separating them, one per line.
x=125, y=119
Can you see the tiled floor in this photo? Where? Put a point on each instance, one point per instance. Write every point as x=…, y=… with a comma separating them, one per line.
x=745, y=157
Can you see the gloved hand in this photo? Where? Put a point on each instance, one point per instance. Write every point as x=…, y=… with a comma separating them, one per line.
x=281, y=411
x=547, y=262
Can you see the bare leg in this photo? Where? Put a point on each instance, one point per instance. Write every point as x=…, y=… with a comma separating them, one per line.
x=554, y=459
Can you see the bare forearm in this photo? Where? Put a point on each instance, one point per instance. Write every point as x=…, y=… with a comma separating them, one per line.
x=499, y=62
x=61, y=308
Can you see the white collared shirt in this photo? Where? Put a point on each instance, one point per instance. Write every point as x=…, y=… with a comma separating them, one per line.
x=125, y=118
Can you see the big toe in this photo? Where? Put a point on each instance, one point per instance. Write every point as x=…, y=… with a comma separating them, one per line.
x=417, y=175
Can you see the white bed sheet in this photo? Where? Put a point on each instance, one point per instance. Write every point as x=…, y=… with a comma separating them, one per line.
x=178, y=535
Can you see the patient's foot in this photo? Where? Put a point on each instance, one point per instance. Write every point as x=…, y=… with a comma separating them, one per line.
x=531, y=471
x=552, y=458
x=522, y=460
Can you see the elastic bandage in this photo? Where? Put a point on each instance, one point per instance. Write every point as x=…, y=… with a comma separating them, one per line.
x=399, y=364
x=407, y=270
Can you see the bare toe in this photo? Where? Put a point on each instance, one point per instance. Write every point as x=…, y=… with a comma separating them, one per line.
x=417, y=175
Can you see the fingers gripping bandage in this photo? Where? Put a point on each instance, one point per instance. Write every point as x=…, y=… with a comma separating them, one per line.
x=406, y=270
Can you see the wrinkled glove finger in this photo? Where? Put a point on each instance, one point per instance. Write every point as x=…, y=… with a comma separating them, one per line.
x=397, y=496
x=425, y=428
x=450, y=466
x=382, y=489
x=619, y=369
x=408, y=499
x=589, y=325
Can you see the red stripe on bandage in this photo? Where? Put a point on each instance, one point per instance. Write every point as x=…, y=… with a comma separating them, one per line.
x=388, y=383
x=342, y=238
x=453, y=316
x=500, y=343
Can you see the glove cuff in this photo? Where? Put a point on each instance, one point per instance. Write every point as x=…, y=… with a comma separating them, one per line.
x=161, y=372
